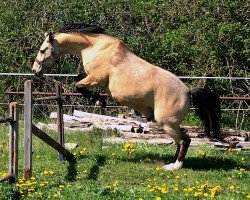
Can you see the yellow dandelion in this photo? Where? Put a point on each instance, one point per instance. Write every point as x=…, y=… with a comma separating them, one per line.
x=191, y=189
x=157, y=198
x=129, y=148
x=176, y=188
x=151, y=190
x=79, y=187
x=116, y=183
x=108, y=187
x=248, y=196
x=157, y=168
x=61, y=186
x=177, y=177
x=242, y=170
x=164, y=190
x=196, y=194
x=82, y=152
x=205, y=194
x=45, y=172
x=113, y=154
x=203, y=186
x=231, y=187
x=31, y=190
x=201, y=153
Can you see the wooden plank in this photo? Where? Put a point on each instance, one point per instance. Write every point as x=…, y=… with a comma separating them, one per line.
x=51, y=142
x=15, y=128
x=28, y=129
x=13, y=140
x=60, y=125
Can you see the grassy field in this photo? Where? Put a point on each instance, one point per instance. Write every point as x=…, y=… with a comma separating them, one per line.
x=126, y=171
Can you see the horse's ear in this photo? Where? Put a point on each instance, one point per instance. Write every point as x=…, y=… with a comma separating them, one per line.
x=46, y=34
x=51, y=38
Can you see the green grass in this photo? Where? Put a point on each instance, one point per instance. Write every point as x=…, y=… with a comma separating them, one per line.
x=119, y=171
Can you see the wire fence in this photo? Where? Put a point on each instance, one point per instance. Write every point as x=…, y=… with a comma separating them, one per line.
x=236, y=104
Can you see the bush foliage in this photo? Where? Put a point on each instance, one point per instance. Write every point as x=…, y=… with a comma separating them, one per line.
x=188, y=38
x=191, y=38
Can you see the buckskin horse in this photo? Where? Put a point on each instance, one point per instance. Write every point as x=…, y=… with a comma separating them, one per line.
x=156, y=93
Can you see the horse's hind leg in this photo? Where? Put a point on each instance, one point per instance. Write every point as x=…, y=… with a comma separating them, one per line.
x=182, y=140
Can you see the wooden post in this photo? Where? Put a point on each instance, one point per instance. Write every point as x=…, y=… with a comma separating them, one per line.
x=13, y=141
x=28, y=129
x=60, y=126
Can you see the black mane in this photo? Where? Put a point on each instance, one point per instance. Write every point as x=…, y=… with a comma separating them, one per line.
x=81, y=28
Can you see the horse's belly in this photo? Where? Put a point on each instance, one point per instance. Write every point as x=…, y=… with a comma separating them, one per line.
x=133, y=98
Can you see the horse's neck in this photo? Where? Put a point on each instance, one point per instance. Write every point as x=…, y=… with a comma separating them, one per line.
x=73, y=43
x=86, y=47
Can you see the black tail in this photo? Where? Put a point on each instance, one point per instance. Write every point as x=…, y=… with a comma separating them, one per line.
x=208, y=108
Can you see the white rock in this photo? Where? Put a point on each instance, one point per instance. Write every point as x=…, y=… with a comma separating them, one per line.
x=70, y=146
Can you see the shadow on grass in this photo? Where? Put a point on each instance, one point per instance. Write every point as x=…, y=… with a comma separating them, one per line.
x=211, y=163
x=94, y=171
x=195, y=163
x=72, y=172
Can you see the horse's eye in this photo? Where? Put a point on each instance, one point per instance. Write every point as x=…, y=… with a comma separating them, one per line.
x=42, y=51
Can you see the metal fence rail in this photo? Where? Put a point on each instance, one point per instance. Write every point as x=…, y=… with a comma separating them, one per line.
x=181, y=77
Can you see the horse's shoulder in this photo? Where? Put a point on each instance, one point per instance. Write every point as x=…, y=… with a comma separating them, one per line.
x=120, y=52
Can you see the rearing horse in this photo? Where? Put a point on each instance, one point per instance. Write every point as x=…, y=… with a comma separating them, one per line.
x=131, y=81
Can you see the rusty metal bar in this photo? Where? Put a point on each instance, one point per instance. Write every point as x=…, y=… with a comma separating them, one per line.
x=49, y=93
x=235, y=98
x=46, y=98
x=104, y=94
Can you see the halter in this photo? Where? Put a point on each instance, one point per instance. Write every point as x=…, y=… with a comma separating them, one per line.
x=55, y=60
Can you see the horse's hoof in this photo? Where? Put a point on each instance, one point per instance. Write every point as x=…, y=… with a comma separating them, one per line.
x=173, y=166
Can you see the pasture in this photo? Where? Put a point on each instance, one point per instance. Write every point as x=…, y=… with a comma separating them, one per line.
x=126, y=171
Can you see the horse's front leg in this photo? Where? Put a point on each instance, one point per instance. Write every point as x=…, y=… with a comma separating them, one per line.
x=95, y=97
x=86, y=82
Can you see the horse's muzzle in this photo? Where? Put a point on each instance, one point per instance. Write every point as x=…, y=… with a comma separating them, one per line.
x=38, y=74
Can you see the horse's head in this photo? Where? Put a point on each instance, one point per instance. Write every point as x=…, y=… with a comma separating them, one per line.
x=46, y=57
